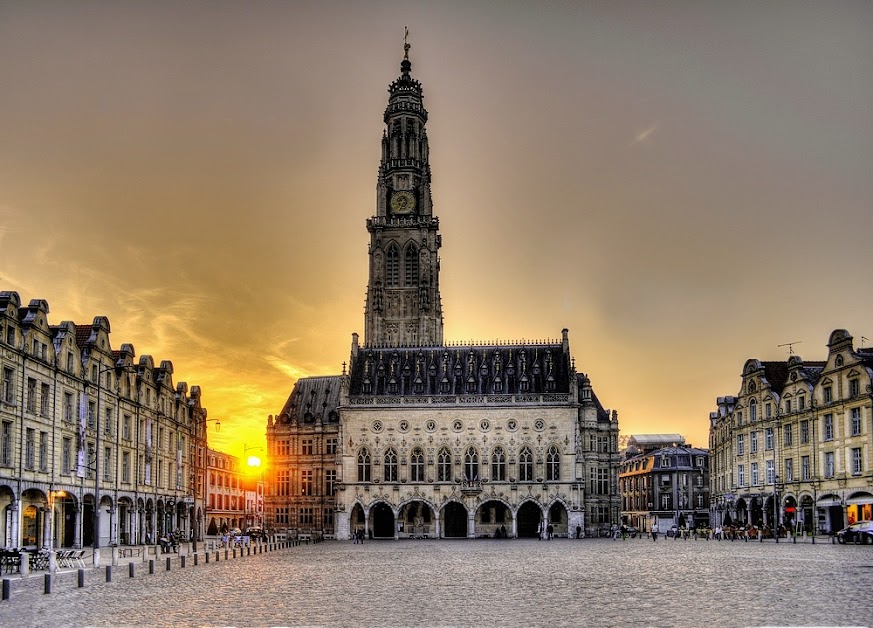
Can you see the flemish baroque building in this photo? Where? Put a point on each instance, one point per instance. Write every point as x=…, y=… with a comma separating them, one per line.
x=422, y=437
x=795, y=445
x=82, y=424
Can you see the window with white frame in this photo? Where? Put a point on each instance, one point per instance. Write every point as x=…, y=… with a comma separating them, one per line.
x=787, y=434
x=805, y=470
x=755, y=477
x=444, y=465
x=741, y=444
x=525, y=465
x=741, y=474
x=804, y=432
x=788, y=470
x=770, y=471
x=829, y=427
x=768, y=438
x=856, y=421
x=857, y=461
x=829, y=464
x=854, y=387
x=753, y=442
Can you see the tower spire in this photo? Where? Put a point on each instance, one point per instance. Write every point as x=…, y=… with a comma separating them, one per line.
x=403, y=305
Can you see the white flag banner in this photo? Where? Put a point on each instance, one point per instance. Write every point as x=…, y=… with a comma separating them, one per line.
x=80, y=454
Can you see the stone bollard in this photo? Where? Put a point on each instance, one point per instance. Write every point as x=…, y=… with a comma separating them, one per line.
x=53, y=562
x=114, y=550
x=96, y=557
x=25, y=564
x=131, y=569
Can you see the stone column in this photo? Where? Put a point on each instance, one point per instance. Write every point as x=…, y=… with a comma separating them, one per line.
x=47, y=540
x=471, y=524
x=77, y=525
x=15, y=528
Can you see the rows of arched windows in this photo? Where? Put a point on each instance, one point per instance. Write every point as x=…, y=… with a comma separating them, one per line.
x=471, y=462
x=392, y=266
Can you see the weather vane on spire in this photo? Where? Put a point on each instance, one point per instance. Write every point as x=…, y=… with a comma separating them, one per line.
x=406, y=45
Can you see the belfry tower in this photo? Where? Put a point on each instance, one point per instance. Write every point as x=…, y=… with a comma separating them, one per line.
x=403, y=298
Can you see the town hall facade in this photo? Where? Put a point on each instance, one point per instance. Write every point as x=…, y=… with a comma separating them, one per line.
x=423, y=437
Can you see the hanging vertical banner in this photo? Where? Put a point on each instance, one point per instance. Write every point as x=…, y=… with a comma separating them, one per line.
x=178, y=461
x=80, y=454
x=148, y=452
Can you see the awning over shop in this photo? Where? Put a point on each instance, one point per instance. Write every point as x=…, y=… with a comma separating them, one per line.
x=860, y=498
x=828, y=500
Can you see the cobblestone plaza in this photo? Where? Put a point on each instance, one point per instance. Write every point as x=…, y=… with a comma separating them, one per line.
x=596, y=582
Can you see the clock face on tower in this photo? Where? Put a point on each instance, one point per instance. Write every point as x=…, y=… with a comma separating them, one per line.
x=402, y=202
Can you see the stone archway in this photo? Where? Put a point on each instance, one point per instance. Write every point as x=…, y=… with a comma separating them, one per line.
x=382, y=519
x=415, y=520
x=530, y=518
x=492, y=519
x=454, y=521
x=558, y=519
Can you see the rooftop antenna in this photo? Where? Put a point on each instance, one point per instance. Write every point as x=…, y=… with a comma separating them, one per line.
x=790, y=346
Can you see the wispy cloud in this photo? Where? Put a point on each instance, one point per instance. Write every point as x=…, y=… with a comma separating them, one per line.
x=642, y=136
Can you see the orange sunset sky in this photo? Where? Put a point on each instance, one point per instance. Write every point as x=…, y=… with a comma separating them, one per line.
x=682, y=185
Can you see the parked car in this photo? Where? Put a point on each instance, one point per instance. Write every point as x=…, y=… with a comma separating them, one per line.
x=256, y=533
x=860, y=532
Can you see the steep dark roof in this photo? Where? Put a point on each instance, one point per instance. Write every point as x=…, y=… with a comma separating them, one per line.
x=313, y=399
x=472, y=369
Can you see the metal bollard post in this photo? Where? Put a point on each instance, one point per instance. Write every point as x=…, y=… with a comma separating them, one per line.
x=168, y=563
x=207, y=558
x=48, y=583
x=197, y=559
x=182, y=562
x=108, y=573
x=81, y=578
x=131, y=569
x=234, y=552
x=151, y=565
x=7, y=588
x=226, y=553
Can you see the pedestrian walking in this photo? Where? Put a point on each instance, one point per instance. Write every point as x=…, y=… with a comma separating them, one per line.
x=654, y=532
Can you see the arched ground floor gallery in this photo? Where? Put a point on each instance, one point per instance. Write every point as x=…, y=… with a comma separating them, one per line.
x=459, y=519
x=68, y=519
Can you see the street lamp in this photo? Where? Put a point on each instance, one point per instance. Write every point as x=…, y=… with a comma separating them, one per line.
x=776, y=507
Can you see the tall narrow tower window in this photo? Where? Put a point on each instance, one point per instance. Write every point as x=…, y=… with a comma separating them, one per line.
x=411, y=266
x=392, y=266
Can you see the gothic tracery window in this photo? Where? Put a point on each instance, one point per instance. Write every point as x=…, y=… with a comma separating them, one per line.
x=410, y=267
x=416, y=465
x=444, y=465
x=392, y=266
x=525, y=465
x=364, y=465
x=390, y=466
x=471, y=465
x=553, y=464
x=498, y=465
